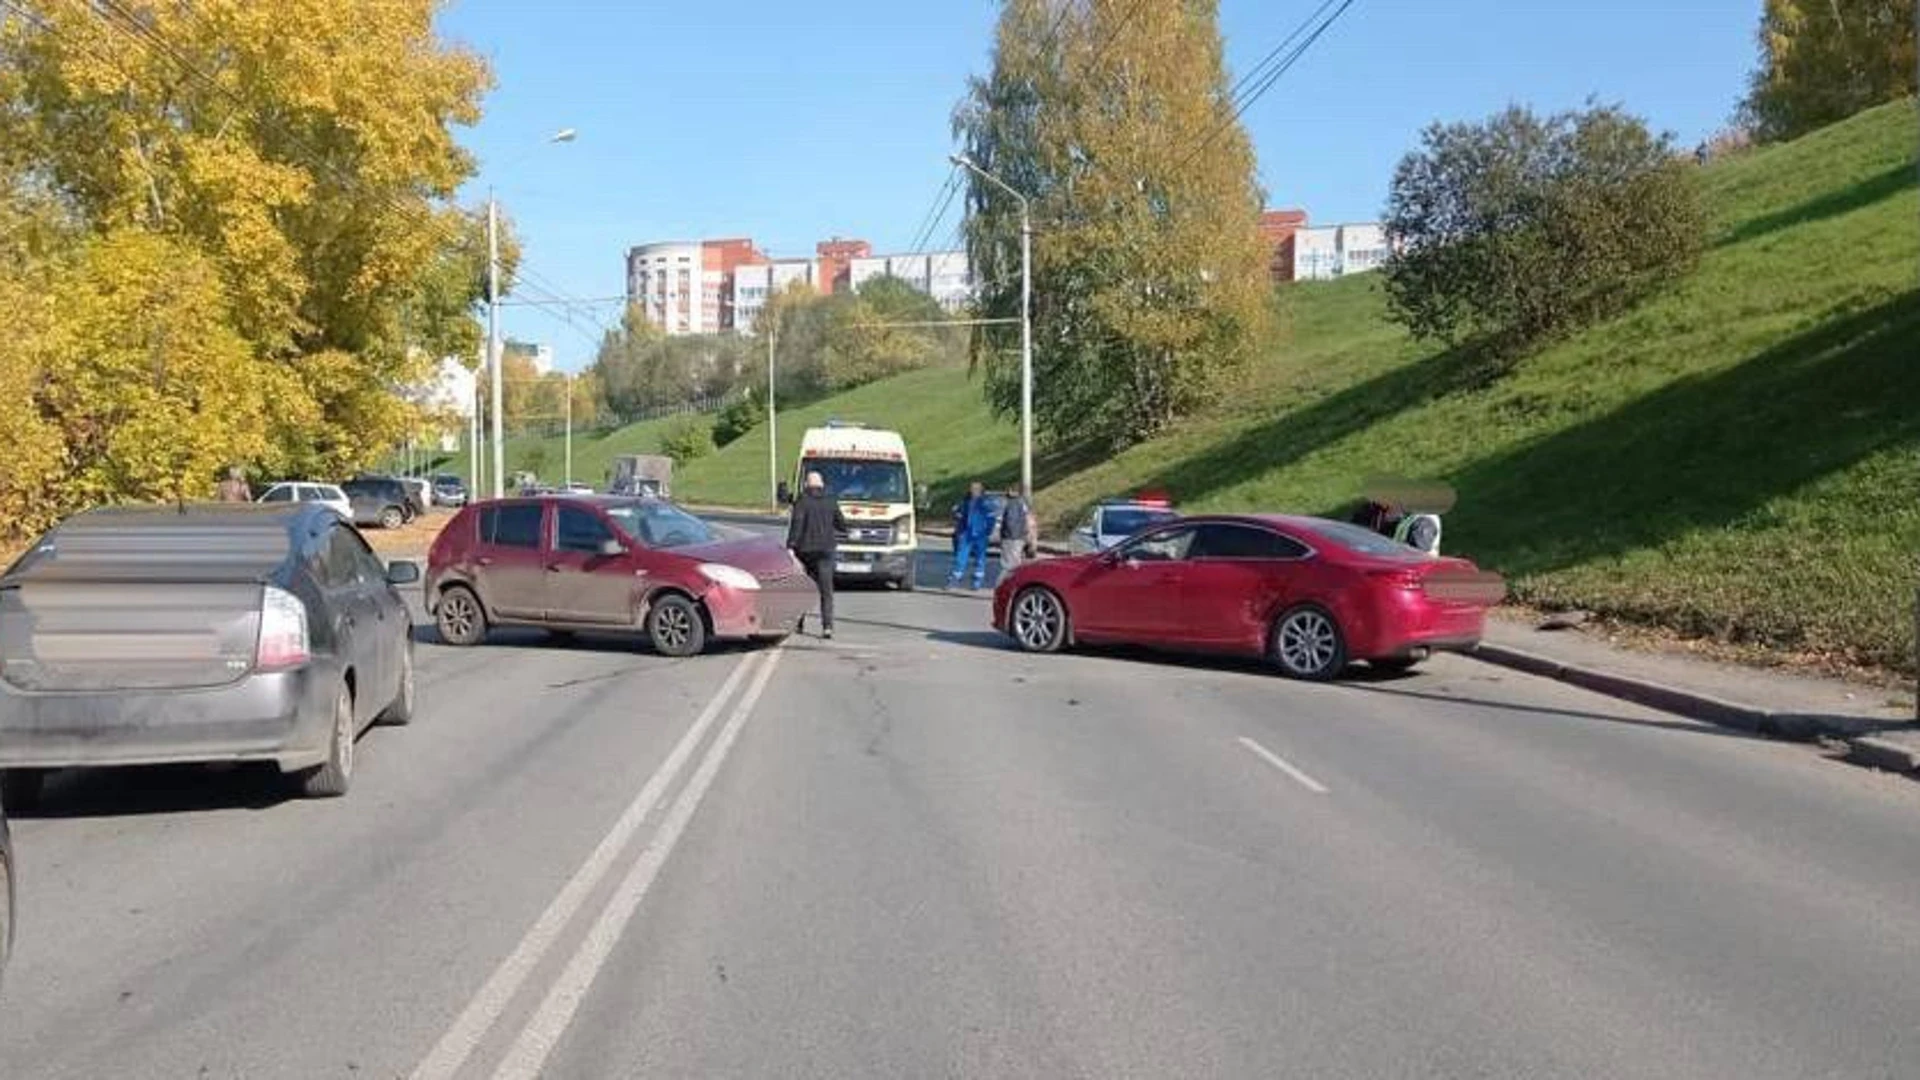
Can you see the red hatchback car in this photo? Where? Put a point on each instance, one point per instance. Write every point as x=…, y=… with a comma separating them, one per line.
x=1307, y=593
x=584, y=563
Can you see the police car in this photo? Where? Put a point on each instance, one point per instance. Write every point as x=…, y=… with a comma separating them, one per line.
x=1116, y=519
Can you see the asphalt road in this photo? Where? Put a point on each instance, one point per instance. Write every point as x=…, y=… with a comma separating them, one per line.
x=910, y=852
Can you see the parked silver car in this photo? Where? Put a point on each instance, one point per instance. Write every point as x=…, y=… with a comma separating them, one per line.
x=141, y=636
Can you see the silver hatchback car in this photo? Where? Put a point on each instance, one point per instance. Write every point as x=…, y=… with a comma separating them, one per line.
x=142, y=636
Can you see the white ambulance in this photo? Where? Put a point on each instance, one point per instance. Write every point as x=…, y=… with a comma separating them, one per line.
x=866, y=469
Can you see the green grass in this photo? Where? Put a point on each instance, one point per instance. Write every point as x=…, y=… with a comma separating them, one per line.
x=1736, y=459
x=949, y=435
x=592, y=452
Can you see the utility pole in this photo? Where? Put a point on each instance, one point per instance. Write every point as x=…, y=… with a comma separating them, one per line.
x=568, y=387
x=1026, y=351
x=773, y=425
x=1026, y=318
x=473, y=440
x=493, y=346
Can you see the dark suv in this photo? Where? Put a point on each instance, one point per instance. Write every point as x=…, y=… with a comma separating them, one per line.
x=380, y=500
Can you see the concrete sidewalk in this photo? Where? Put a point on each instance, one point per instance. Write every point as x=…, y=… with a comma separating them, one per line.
x=1877, y=723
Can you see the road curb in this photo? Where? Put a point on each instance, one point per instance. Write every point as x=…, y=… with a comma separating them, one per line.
x=1888, y=754
x=1859, y=732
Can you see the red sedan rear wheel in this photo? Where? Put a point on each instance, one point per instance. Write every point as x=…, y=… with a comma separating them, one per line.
x=1307, y=644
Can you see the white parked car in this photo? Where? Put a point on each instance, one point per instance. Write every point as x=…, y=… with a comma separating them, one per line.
x=421, y=489
x=1116, y=519
x=327, y=495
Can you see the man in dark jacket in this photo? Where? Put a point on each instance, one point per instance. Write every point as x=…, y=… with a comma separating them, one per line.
x=813, y=534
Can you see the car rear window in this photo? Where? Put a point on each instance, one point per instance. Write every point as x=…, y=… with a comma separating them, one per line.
x=1364, y=541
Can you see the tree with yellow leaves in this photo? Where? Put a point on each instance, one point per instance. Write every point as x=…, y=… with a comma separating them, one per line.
x=1149, y=283
x=282, y=172
x=1821, y=61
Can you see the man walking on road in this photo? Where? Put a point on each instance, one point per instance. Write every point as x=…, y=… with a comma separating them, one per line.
x=813, y=535
x=974, y=530
x=1019, y=533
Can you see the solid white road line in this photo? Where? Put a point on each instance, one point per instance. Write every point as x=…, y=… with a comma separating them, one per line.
x=1284, y=766
x=458, y=1044
x=529, y=1052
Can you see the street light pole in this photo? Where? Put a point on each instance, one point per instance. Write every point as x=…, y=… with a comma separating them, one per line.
x=473, y=437
x=498, y=405
x=493, y=346
x=773, y=425
x=1026, y=318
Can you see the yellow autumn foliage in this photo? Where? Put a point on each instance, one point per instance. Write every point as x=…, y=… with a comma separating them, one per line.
x=258, y=251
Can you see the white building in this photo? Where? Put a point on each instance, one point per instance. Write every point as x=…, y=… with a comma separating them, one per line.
x=1331, y=251
x=950, y=279
x=751, y=287
x=753, y=284
x=448, y=395
x=944, y=275
x=449, y=390
x=539, y=355
x=673, y=288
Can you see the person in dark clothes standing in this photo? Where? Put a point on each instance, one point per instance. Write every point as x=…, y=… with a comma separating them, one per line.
x=813, y=534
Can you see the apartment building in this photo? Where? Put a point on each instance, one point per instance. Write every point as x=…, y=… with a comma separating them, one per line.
x=716, y=286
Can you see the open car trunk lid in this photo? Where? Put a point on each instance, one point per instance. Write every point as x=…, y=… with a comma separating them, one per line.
x=79, y=636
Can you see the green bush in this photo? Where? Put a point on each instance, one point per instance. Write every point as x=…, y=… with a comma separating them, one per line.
x=737, y=419
x=1525, y=229
x=686, y=438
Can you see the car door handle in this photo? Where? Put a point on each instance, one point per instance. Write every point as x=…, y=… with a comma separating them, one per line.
x=485, y=560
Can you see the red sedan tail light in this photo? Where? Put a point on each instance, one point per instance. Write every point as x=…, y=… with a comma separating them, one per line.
x=1398, y=578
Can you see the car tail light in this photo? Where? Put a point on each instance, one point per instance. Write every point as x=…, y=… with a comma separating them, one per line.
x=283, y=631
x=1397, y=578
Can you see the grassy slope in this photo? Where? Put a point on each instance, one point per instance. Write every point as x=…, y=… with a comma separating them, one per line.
x=939, y=411
x=591, y=452
x=1738, y=458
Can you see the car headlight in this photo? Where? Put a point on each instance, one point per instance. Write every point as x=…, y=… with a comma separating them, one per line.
x=902, y=529
x=731, y=576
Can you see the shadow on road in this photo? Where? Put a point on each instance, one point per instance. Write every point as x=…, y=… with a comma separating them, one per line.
x=131, y=791
x=1550, y=711
x=529, y=638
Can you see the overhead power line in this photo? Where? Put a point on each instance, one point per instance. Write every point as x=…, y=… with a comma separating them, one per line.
x=1255, y=84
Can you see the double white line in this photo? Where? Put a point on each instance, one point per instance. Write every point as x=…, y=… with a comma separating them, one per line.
x=536, y=1040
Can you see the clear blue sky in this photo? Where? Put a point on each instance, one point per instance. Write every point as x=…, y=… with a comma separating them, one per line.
x=793, y=122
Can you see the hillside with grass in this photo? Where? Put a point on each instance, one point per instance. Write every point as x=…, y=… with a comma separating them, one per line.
x=938, y=410
x=1738, y=459
x=593, y=452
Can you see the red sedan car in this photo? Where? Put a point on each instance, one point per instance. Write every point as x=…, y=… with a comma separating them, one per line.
x=583, y=563
x=1307, y=593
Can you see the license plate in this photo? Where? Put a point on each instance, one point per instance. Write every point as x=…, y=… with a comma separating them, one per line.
x=851, y=567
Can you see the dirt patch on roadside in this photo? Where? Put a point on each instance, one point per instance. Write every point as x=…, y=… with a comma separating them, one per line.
x=1899, y=686
x=413, y=538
